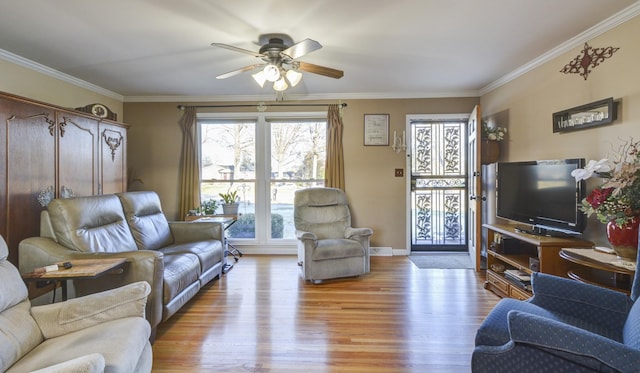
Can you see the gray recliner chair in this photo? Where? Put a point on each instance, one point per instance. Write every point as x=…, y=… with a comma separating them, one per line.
x=101, y=332
x=328, y=247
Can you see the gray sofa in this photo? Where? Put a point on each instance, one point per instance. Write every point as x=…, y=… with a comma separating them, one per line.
x=100, y=332
x=175, y=258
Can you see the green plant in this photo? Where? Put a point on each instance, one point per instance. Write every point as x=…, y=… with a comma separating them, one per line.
x=209, y=207
x=230, y=197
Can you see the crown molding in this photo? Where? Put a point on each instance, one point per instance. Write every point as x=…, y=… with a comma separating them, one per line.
x=305, y=97
x=602, y=27
x=29, y=64
x=617, y=19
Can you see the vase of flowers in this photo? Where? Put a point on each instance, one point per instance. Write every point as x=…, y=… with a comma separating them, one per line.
x=490, y=148
x=617, y=201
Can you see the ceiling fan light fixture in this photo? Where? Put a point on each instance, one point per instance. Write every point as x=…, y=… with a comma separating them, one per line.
x=280, y=85
x=293, y=77
x=271, y=72
x=259, y=78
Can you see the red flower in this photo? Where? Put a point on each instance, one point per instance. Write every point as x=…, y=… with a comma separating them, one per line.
x=598, y=196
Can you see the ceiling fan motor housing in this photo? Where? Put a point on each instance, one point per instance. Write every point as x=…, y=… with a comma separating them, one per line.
x=273, y=48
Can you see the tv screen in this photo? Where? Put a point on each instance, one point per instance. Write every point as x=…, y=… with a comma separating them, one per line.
x=542, y=194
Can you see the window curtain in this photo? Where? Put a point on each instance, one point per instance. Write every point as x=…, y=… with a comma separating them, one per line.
x=334, y=168
x=189, y=163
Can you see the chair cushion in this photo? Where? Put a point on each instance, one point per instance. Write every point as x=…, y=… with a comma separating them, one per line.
x=180, y=271
x=494, y=330
x=209, y=252
x=337, y=248
x=121, y=342
x=323, y=211
x=84, y=364
x=148, y=224
x=19, y=333
x=12, y=288
x=91, y=224
x=631, y=330
x=81, y=313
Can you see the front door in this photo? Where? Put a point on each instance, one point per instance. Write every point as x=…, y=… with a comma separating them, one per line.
x=438, y=184
x=475, y=188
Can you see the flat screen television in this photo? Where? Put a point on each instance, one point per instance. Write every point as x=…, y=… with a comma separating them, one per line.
x=543, y=195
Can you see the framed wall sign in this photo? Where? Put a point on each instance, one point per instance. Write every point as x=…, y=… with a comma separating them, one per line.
x=376, y=129
x=593, y=114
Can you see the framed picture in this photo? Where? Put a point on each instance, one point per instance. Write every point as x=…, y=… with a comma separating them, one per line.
x=376, y=129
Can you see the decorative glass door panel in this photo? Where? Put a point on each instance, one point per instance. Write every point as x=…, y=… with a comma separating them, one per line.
x=438, y=186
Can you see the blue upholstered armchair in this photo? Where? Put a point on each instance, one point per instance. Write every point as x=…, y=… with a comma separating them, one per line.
x=567, y=326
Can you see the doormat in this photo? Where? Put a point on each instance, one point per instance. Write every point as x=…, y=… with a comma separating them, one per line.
x=442, y=261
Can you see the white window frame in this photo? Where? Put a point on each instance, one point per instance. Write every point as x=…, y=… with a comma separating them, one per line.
x=263, y=243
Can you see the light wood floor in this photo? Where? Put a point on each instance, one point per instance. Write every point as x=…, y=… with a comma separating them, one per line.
x=261, y=317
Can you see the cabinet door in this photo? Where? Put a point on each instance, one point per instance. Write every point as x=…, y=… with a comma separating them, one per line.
x=77, y=155
x=29, y=133
x=113, y=158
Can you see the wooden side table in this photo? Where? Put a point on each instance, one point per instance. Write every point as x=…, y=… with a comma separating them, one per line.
x=598, y=268
x=81, y=269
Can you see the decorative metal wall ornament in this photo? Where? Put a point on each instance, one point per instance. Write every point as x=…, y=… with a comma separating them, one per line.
x=587, y=59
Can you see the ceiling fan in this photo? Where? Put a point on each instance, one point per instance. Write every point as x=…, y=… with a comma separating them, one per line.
x=280, y=63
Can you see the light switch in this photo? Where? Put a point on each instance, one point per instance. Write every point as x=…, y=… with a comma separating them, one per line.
x=399, y=172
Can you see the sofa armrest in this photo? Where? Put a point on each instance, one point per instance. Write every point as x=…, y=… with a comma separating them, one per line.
x=571, y=343
x=184, y=232
x=142, y=265
x=80, y=313
x=92, y=363
x=586, y=302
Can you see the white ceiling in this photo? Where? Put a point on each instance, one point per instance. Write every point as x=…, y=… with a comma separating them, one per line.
x=160, y=49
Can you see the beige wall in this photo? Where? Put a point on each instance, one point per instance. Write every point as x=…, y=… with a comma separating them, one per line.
x=376, y=196
x=28, y=83
x=526, y=105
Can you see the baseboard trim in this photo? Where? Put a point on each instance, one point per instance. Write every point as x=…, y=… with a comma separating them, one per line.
x=380, y=251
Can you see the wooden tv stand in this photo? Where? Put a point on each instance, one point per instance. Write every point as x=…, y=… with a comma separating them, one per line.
x=545, y=249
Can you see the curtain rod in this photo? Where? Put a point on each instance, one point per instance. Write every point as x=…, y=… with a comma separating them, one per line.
x=260, y=105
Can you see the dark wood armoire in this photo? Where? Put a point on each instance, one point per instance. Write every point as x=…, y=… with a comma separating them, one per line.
x=53, y=152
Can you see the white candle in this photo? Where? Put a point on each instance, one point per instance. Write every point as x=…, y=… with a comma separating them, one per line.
x=395, y=141
x=404, y=138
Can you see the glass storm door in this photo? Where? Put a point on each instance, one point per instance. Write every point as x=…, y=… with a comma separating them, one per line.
x=438, y=186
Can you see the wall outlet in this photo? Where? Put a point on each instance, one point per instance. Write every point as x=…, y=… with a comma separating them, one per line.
x=399, y=172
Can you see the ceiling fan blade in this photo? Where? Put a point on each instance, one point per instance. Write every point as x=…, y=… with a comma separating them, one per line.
x=302, y=48
x=239, y=71
x=321, y=70
x=236, y=49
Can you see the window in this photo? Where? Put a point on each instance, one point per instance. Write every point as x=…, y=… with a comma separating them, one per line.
x=265, y=159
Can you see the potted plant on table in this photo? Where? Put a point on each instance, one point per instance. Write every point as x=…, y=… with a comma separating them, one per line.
x=209, y=207
x=616, y=202
x=491, y=136
x=230, y=202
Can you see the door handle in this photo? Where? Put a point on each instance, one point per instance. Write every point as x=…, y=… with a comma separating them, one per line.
x=483, y=198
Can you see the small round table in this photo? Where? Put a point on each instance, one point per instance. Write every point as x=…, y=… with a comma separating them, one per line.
x=594, y=267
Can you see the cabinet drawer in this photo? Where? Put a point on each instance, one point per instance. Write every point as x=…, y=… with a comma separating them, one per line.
x=497, y=281
x=518, y=293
